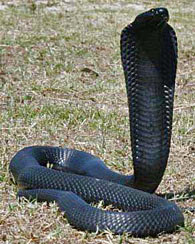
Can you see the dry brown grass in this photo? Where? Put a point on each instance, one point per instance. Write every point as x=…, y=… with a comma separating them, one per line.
x=61, y=83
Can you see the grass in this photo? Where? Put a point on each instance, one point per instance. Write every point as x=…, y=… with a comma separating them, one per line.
x=61, y=83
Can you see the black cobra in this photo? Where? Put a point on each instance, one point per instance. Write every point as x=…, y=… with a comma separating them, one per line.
x=149, y=58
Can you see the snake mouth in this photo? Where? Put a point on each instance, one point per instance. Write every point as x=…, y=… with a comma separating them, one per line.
x=155, y=18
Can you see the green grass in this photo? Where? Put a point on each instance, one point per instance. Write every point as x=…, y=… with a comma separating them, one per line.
x=61, y=83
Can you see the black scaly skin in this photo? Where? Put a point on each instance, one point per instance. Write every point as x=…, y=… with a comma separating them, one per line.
x=149, y=58
x=149, y=55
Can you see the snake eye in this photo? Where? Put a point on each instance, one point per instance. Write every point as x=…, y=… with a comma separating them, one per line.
x=162, y=13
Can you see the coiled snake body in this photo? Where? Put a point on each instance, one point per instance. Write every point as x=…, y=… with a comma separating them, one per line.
x=149, y=58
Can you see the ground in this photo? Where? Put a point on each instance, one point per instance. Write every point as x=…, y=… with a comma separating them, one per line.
x=61, y=83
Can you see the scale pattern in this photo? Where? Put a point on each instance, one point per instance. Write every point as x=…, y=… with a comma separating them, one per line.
x=149, y=58
x=149, y=62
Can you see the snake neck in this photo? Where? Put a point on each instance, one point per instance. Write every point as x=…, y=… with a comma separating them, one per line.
x=150, y=117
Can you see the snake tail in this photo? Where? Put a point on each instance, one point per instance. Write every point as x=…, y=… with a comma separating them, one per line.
x=76, y=178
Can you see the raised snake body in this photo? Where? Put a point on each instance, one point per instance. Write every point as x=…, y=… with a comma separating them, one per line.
x=149, y=58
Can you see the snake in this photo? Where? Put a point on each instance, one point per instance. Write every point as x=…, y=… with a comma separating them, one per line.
x=76, y=179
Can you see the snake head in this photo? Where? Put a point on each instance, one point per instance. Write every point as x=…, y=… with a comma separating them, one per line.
x=155, y=18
